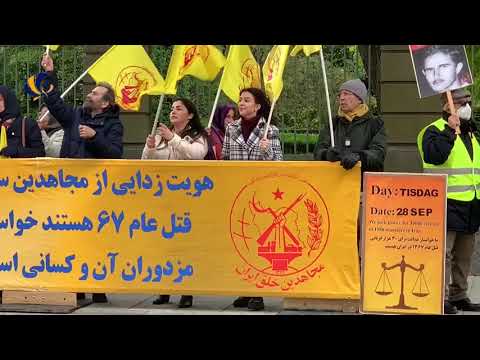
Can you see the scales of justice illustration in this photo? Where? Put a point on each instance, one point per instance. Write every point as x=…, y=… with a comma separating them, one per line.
x=384, y=287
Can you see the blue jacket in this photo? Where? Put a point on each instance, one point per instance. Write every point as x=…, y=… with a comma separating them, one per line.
x=107, y=142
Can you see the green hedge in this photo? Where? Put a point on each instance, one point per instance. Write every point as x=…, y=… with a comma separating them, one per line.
x=289, y=140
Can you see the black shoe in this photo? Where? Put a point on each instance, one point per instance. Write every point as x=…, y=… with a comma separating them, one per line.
x=449, y=309
x=80, y=296
x=465, y=305
x=241, y=302
x=186, y=301
x=162, y=299
x=99, y=298
x=255, y=304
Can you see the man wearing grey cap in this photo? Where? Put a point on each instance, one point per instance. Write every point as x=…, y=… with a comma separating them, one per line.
x=450, y=146
x=358, y=135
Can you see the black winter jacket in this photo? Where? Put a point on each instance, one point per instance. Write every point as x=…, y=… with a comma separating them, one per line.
x=364, y=135
x=462, y=216
x=33, y=138
x=107, y=142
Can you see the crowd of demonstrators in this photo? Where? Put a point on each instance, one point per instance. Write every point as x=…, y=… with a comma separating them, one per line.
x=449, y=145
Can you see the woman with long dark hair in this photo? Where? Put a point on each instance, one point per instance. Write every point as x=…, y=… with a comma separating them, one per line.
x=185, y=139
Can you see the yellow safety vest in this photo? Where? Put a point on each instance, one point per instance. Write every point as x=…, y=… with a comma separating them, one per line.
x=463, y=173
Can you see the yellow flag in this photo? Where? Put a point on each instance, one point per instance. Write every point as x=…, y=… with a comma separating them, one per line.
x=52, y=47
x=3, y=140
x=241, y=71
x=273, y=71
x=307, y=49
x=131, y=72
x=201, y=61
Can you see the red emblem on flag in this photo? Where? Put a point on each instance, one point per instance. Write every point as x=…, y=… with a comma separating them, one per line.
x=131, y=82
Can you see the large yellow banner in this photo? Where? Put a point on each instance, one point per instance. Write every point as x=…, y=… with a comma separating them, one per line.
x=202, y=227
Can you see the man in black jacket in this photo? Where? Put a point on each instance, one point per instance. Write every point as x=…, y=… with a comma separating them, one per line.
x=24, y=139
x=358, y=135
x=443, y=150
x=93, y=131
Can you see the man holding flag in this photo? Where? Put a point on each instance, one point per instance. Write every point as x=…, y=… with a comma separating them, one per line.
x=92, y=131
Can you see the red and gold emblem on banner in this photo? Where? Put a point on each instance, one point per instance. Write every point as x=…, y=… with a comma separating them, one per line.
x=279, y=226
x=131, y=83
x=191, y=54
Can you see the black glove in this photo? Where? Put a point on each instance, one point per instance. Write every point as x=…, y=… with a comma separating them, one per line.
x=9, y=151
x=349, y=159
x=332, y=154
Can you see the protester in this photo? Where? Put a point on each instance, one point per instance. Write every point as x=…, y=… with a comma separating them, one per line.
x=244, y=140
x=22, y=134
x=92, y=131
x=185, y=139
x=443, y=151
x=224, y=115
x=52, y=132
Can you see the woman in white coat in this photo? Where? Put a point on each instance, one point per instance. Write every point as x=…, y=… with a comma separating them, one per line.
x=185, y=139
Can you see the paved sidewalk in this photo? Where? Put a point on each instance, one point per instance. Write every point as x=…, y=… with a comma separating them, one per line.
x=141, y=304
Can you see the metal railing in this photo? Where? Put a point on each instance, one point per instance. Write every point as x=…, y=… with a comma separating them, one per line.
x=21, y=61
x=300, y=114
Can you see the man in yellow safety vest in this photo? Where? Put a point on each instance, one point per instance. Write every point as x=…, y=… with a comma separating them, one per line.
x=450, y=146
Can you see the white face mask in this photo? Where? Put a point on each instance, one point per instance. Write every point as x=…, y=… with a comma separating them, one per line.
x=465, y=112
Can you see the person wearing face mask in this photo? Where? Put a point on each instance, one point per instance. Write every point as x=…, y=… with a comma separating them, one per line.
x=450, y=146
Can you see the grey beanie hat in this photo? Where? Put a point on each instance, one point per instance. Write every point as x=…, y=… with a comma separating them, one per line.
x=357, y=87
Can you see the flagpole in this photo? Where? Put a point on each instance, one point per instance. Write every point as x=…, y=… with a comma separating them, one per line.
x=328, y=97
x=269, y=119
x=69, y=88
x=79, y=78
x=214, y=105
x=453, y=111
x=157, y=115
